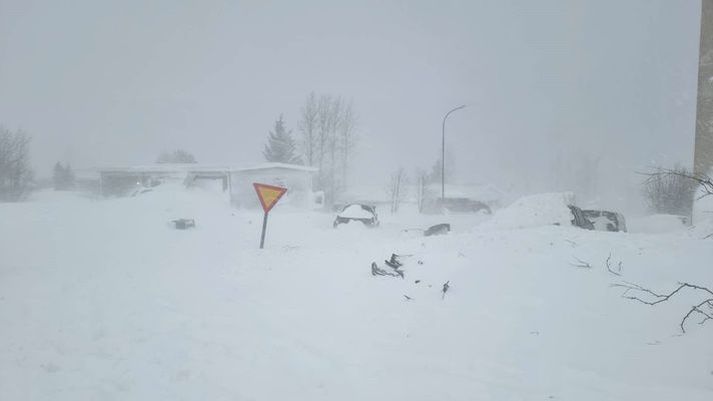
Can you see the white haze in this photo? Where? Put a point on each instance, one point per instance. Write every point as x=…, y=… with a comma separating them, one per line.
x=99, y=83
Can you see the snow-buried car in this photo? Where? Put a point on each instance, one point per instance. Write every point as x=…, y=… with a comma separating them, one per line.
x=540, y=210
x=366, y=214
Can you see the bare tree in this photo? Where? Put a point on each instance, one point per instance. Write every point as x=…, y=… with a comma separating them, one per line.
x=703, y=181
x=396, y=189
x=333, y=122
x=348, y=139
x=420, y=190
x=308, y=128
x=328, y=127
x=15, y=172
x=324, y=107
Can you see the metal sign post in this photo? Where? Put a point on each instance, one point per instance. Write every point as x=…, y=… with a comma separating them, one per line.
x=268, y=196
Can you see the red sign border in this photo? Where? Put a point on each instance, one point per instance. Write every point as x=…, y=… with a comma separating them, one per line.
x=257, y=187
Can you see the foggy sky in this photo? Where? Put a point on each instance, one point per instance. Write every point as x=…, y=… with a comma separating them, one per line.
x=99, y=83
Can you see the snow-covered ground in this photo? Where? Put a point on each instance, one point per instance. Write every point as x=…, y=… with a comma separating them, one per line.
x=104, y=300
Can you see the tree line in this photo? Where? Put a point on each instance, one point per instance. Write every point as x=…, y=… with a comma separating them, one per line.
x=327, y=140
x=16, y=175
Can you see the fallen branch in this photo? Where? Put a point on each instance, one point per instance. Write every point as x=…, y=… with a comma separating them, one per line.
x=697, y=309
x=580, y=263
x=657, y=298
x=446, y=286
x=376, y=271
x=609, y=269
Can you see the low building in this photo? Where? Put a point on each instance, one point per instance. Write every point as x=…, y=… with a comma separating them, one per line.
x=126, y=180
x=237, y=181
x=297, y=179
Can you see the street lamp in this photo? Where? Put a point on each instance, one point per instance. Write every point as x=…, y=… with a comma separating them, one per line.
x=443, y=153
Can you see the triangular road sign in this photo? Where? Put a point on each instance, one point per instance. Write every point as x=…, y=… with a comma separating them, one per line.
x=268, y=195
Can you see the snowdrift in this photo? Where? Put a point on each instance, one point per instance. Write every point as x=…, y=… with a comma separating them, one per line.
x=658, y=224
x=534, y=211
x=104, y=300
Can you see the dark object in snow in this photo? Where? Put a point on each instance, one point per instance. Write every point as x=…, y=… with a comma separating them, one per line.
x=394, y=262
x=420, y=262
x=446, y=286
x=417, y=281
x=366, y=214
x=182, y=224
x=377, y=271
x=580, y=263
x=579, y=219
x=455, y=205
x=407, y=297
x=141, y=191
x=438, y=229
x=604, y=220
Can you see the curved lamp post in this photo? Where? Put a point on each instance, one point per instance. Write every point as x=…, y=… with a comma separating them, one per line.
x=443, y=153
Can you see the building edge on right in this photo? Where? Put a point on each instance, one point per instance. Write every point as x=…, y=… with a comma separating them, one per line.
x=703, y=153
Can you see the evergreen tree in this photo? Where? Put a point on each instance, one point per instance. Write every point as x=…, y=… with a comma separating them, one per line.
x=63, y=177
x=281, y=147
x=178, y=156
x=57, y=173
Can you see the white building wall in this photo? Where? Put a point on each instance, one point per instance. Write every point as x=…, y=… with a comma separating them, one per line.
x=297, y=182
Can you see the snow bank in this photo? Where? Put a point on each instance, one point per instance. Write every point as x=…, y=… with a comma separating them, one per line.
x=702, y=215
x=101, y=300
x=703, y=212
x=658, y=224
x=534, y=211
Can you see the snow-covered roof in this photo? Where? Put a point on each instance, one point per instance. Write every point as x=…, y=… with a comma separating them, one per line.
x=162, y=168
x=267, y=166
x=169, y=168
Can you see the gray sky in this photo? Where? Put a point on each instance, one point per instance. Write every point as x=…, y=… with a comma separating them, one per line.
x=118, y=82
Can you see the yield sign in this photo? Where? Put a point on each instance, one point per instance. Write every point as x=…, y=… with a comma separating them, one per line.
x=268, y=195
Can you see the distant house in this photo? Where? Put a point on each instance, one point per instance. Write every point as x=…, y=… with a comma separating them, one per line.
x=237, y=181
x=126, y=180
x=297, y=179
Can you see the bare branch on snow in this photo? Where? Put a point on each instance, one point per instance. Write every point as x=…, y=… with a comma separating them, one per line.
x=580, y=263
x=704, y=308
